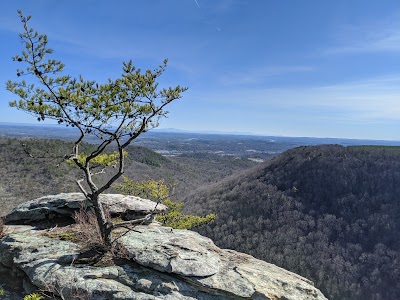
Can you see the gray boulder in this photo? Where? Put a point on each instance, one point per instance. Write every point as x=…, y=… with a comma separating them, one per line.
x=212, y=269
x=66, y=204
x=170, y=250
x=159, y=262
x=163, y=263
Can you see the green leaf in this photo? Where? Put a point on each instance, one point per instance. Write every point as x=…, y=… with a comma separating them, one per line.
x=158, y=191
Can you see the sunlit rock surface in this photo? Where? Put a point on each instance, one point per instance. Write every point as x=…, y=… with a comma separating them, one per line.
x=66, y=204
x=161, y=263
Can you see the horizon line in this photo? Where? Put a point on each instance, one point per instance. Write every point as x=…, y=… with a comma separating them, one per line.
x=211, y=132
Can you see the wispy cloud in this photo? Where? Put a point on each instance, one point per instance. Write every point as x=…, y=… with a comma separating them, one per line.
x=363, y=101
x=380, y=37
x=367, y=108
x=260, y=75
x=358, y=101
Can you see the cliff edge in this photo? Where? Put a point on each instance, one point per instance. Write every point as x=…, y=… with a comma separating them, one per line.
x=160, y=262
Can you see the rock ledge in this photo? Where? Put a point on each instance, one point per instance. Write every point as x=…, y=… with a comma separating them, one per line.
x=64, y=205
x=163, y=263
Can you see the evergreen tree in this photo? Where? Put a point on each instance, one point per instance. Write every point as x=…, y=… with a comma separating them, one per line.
x=116, y=112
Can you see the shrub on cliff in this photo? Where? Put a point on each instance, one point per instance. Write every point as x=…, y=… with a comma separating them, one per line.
x=157, y=190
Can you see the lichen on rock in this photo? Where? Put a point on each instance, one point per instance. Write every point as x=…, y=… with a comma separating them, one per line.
x=161, y=263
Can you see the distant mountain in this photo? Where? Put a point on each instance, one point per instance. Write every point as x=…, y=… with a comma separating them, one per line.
x=329, y=213
x=174, y=130
x=175, y=142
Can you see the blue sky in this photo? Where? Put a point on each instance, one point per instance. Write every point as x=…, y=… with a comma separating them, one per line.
x=295, y=68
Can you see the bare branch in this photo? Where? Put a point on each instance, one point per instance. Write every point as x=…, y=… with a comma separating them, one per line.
x=120, y=170
x=102, y=171
x=62, y=158
x=147, y=219
x=79, y=182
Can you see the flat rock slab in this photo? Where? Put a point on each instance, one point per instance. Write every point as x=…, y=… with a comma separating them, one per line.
x=210, y=268
x=166, y=264
x=66, y=204
x=181, y=252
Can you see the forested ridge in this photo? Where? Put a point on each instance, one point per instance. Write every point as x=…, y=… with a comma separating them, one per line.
x=329, y=213
x=24, y=178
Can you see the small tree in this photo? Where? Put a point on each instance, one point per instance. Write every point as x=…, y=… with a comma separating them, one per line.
x=158, y=191
x=116, y=112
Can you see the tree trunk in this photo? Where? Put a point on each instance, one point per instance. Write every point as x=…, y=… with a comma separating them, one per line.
x=104, y=224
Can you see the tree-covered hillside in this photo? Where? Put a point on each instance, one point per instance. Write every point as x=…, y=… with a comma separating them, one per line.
x=24, y=178
x=329, y=213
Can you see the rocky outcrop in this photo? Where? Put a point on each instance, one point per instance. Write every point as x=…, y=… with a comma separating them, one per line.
x=66, y=204
x=161, y=263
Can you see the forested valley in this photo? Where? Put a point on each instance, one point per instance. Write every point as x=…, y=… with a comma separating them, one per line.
x=25, y=177
x=329, y=213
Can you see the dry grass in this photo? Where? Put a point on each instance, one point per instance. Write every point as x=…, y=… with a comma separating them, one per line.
x=87, y=231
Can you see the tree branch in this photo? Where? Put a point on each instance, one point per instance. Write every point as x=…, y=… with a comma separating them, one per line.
x=79, y=182
x=147, y=219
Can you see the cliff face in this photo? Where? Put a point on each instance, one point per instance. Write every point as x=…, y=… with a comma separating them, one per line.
x=161, y=263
